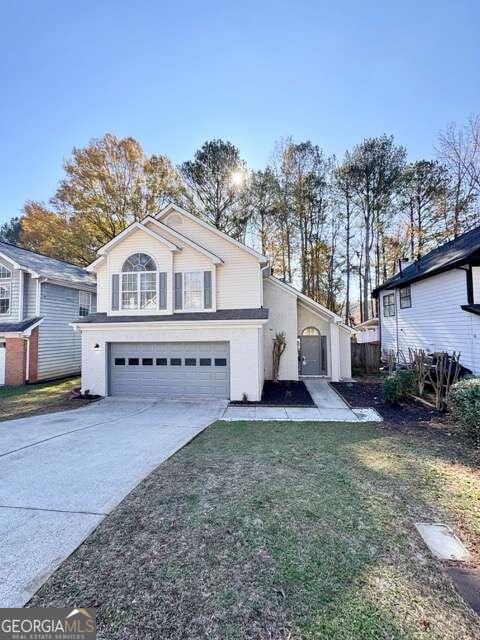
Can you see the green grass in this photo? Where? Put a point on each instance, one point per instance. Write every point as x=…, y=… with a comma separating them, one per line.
x=282, y=530
x=21, y=400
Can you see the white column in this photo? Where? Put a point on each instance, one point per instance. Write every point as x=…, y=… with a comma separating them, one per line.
x=335, y=351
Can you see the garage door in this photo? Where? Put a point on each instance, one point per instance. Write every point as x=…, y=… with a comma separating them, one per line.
x=169, y=369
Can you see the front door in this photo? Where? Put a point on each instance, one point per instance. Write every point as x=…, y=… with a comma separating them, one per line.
x=313, y=355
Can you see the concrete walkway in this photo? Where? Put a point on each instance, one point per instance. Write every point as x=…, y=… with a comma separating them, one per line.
x=61, y=473
x=330, y=407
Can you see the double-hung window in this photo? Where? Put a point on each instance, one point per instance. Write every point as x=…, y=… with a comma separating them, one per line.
x=139, y=280
x=5, y=290
x=193, y=290
x=84, y=303
x=405, y=298
x=389, y=305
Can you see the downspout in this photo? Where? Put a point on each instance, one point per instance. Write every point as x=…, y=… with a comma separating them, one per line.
x=396, y=320
x=27, y=360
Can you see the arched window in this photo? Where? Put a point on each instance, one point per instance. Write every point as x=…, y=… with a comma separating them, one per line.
x=310, y=331
x=139, y=282
x=139, y=262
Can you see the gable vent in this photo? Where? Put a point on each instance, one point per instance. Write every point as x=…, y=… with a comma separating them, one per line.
x=174, y=219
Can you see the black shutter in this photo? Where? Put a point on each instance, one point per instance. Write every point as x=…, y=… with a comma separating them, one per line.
x=115, y=292
x=178, y=291
x=162, y=290
x=207, y=289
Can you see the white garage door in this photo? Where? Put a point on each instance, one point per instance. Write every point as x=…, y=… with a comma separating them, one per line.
x=170, y=369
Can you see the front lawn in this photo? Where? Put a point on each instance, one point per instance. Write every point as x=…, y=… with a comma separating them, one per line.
x=29, y=399
x=282, y=531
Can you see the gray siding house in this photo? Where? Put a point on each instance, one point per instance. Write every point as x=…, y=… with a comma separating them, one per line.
x=39, y=298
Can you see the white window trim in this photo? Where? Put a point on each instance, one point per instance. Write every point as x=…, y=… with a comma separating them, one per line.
x=138, y=307
x=391, y=305
x=89, y=306
x=202, y=284
x=8, y=284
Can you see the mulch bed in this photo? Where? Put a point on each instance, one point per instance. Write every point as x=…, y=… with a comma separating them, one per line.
x=284, y=393
x=370, y=394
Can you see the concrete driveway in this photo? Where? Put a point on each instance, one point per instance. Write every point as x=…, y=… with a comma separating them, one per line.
x=61, y=473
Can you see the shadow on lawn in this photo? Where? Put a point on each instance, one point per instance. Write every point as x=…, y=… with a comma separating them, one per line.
x=266, y=531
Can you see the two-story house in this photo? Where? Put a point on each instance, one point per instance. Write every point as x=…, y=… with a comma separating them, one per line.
x=39, y=298
x=434, y=303
x=185, y=310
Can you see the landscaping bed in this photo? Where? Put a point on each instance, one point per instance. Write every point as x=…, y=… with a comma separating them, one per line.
x=284, y=393
x=281, y=530
x=360, y=394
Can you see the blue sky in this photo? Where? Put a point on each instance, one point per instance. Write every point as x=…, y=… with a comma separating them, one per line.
x=174, y=74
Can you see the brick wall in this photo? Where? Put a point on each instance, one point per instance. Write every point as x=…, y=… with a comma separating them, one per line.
x=33, y=366
x=15, y=349
x=16, y=359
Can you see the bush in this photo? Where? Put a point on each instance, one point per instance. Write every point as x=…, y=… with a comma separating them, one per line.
x=398, y=385
x=465, y=405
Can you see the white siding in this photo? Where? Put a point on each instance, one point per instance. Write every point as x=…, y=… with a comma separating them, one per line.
x=282, y=306
x=371, y=334
x=238, y=281
x=345, y=353
x=245, y=348
x=136, y=242
x=103, y=303
x=476, y=284
x=435, y=321
x=388, y=326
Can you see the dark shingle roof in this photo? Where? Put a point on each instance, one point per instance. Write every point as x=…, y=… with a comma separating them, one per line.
x=17, y=327
x=453, y=253
x=45, y=266
x=472, y=308
x=224, y=314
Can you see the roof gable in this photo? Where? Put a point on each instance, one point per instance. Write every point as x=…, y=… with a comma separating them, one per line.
x=306, y=300
x=44, y=266
x=135, y=226
x=182, y=238
x=447, y=256
x=206, y=225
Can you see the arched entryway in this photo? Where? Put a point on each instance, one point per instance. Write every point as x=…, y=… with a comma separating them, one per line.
x=312, y=353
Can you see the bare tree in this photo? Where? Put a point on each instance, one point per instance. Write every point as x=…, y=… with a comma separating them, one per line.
x=458, y=149
x=376, y=166
x=423, y=185
x=345, y=188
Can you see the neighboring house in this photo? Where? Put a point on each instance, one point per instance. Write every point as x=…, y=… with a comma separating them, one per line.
x=185, y=310
x=368, y=331
x=434, y=303
x=39, y=298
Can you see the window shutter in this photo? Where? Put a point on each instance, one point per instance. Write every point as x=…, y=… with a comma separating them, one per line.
x=207, y=289
x=162, y=290
x=115, y=291
x=178, y=291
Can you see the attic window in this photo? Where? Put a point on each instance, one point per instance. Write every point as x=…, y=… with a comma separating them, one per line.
x=174, y=219
x=4, y=272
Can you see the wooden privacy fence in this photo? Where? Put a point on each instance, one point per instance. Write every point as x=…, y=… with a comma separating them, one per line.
x=366, y=357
